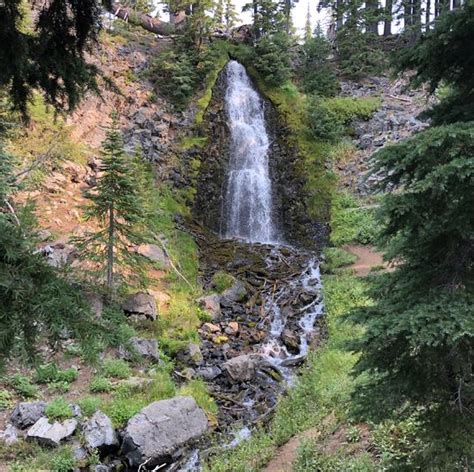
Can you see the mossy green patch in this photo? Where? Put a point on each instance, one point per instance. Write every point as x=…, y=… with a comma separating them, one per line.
x=349, y=108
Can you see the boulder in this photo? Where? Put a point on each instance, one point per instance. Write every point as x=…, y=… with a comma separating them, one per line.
x=232, y=328
x=158, y=432
x=154, y=253
x=293, y=361
x=51, y=434
x=212, y=304
x=141, y=304
x=27, y=413
x=236, y=293
x=243, y=368
x=210, y=328
x=146, y=348
x=99, y=432
x=9, y=435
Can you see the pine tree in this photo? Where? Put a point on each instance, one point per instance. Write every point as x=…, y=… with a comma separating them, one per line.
x=118, y=207
x=219, y=14
x=307, y=27
x=230, y=15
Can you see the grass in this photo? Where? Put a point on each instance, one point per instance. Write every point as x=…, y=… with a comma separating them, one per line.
x=50, y=373
x=200, y=392
x=351, y=221
x=58, y=410
x=222, y=281
x=116, y=368
x=100, y=384
x=349, y=108
x=23, y=386
x=6, y=400
x=89, y=405
x=336, y=258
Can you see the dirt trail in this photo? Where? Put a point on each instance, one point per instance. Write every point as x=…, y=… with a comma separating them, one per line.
x=367, y=259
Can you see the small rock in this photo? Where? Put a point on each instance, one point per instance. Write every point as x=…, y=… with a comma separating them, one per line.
x=236, y=293
x=210, y=328
x=232, y=328
x=9, y=435
x=158, y=433
x=146, y=348
x=188, y=373
x=293, y=361
x=79, y=452
x=243, y=368
x=137, y=383
x=99, y=432
x=141, y=304
x=95, y=302
x=51, y=434
x=76, y=410
x=211, y=303
x=27, y=413
x=209, y=373
x=291, y=341
x=195, y=353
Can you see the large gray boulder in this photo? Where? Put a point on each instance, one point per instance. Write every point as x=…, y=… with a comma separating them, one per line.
x=157, y=433
x=99, y=432
x=236, y=293
x=243, y=368
x=154, y=253
x=51, y=434
x=146, y=348
x=27, y=413
x=141, y=304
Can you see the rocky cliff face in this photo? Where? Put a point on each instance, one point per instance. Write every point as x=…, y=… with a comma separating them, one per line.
x=290, y=210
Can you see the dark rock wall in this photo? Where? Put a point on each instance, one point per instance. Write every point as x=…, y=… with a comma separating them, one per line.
x=289, y=197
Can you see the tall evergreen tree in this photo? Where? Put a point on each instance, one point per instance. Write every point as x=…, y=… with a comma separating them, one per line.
x=117, y=205
x=230, y=15
x=308, y=33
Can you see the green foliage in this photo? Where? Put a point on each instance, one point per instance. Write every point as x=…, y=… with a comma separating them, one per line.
x=58, y=410
x=48, y=373
x=180, y=72
x=323, y=123
x=23, y=386
x=311, y=458
x=335, y=258
x=200, y=392
x=272, y=60
x=63, y=460
x=48, y=54
x=351, y=221
x=119, y=207
x=89, y=405
x=439, y=59
x=421, y=320
x=350, y=108
x=222, y=281
x=116, y=368
x=100, y=385
x=316, y=74
x=359, y=55
x=6, y=400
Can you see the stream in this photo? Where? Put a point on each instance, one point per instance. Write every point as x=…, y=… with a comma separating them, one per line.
x=267, y=334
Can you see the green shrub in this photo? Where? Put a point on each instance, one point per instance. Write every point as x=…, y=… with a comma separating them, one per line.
x=58, y=409
x=63, y=460
x=323, y=123
x=352, y=223
x=100, y=385
x=335, y=258
x=89, y=405
x=23, y=386
x=222, y=281
x=349, y=108
x=200, y=392
x=6, y=400
x=48, y=373
x=272, y=60
x=116, y=368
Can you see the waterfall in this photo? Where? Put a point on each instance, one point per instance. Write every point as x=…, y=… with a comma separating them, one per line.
x=247, y=209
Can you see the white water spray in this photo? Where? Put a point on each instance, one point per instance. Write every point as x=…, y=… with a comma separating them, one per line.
x=248, y=197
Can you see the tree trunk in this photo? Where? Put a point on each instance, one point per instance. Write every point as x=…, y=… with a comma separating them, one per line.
x=339, y=15
x=372, y=21
x=407, y=14
x=387, y=27
x=110, y=250
x=153, y=25
x=456, y=4
x=427, y=15
x=416, y=11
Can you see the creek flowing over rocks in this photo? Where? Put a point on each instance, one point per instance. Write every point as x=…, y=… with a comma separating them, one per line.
x=263, y=326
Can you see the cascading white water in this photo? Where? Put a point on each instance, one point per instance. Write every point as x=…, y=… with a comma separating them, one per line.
x=247, y=210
